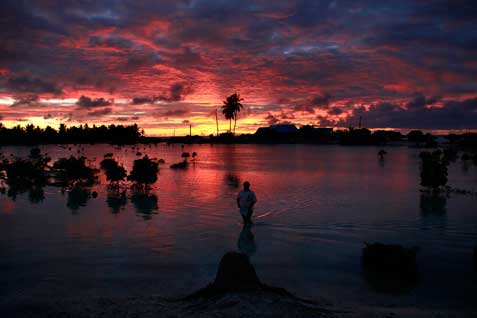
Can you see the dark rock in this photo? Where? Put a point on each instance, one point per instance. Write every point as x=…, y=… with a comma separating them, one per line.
x=235, y=273
x=391, y=268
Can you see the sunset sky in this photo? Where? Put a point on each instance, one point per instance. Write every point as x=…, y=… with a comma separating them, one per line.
x=164, y=64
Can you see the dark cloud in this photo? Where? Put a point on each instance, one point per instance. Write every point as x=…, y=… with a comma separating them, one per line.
x=175, y=113
x=88, y=102
x=176, y=93
x=317, y=102
x=143, y=100
x=27, y=100
x=138, y=59
x=449, y=115
x=187, y=58
x=271, y=120
x=111, y=41
x=27, y=84
x=335, y=111
x=322, y=101
x=100, y=112
x=281, y=55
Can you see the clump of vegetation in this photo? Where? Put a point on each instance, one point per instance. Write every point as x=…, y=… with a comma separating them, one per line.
x=185, y=155
x=114, y=172
x=184, y=164
x=433, y=170
x=74, y=170
x=25, y=175
x=144, y=172
x=26, y=172
x=180, y=165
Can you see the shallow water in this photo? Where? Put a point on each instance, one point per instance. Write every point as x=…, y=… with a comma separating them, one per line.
x=317, y=205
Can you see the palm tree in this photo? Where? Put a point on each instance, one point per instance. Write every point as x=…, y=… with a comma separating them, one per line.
x=231, y=108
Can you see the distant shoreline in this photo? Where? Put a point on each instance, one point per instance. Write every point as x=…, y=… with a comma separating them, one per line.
x=274, y=134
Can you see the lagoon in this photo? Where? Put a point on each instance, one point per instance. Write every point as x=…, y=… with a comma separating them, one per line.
x=316, y=206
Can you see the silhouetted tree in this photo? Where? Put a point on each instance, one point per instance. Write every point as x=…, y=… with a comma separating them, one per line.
x=185, y=155
x=31, y=135
x=433, y=170
x=231, y=108
x=416, y=136
x=144, y=172
x=114, y=172
x=74, y=170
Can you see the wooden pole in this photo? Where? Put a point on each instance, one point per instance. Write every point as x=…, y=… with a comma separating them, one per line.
x=217, y=121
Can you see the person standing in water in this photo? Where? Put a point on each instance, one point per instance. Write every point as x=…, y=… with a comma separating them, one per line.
x=246, y=199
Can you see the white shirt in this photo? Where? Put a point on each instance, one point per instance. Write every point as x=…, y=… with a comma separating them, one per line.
x=246, y=200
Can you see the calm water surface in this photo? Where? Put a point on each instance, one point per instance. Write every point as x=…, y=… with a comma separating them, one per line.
x=317, y=205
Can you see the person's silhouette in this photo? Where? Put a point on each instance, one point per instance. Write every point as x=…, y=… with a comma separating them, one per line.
x=246, y=199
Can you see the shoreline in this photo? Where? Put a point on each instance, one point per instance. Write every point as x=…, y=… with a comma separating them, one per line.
x=239, y=304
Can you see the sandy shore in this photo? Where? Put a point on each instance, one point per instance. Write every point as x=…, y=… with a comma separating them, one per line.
x=251, y=304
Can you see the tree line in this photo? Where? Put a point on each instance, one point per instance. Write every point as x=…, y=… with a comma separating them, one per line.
x=33, y=135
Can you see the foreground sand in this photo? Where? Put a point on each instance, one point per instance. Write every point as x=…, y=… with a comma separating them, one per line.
x=251, y=304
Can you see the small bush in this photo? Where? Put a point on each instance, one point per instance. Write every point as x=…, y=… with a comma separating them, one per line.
x=74, y=169
x=433, y=169
x=114, y=172
x=144, y=171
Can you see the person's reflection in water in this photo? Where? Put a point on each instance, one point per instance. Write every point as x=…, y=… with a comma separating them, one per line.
x=116, y=200
x=246, y=241
x=144, y=203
